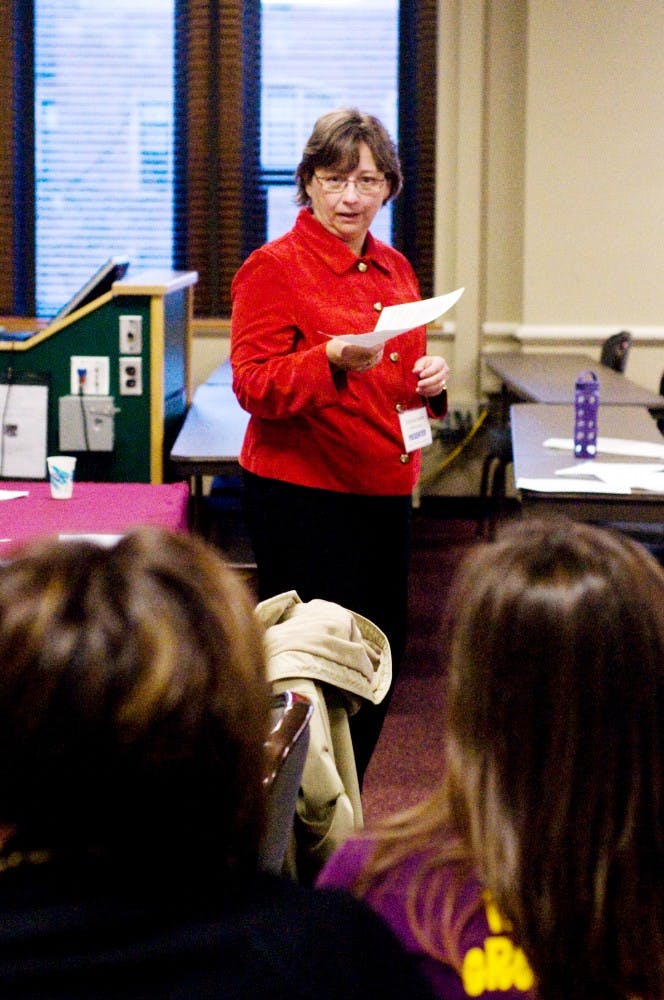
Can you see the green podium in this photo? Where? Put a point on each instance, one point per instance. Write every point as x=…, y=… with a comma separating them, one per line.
x=117, y=374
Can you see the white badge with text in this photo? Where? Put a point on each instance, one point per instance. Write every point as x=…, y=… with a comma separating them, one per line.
x=415, y=428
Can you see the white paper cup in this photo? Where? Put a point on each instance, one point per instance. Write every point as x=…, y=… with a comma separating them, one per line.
x=61, y=474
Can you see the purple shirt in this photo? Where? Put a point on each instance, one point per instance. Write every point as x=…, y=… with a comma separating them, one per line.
x=487, y=964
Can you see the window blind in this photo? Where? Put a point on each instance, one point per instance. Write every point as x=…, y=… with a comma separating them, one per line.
x=318, y=55
x=104, y=100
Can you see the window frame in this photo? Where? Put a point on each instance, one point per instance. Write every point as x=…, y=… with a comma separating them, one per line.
x=219, y=202
x=17, y=162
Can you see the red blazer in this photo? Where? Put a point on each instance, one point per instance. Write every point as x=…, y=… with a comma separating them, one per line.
x=306, y=427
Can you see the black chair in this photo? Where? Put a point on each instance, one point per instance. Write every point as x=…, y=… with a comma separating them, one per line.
x=615, y=351
x=286, y=750
x=660, y=420
x=492, y=482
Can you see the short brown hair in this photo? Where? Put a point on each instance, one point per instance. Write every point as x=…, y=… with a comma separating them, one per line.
x=335, y=142
x=133, y=702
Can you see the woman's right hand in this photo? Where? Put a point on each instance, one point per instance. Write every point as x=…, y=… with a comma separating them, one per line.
x=352, y=357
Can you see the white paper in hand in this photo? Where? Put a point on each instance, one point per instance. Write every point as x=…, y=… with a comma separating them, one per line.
x=395, y=320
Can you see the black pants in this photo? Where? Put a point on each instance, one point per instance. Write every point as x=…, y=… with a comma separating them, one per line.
x=352, y=550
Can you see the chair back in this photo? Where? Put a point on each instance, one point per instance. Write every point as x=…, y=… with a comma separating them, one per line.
x=615, y=350
x=286, y=750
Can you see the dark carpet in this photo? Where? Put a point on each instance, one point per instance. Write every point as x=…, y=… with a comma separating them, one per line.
x=407, y=762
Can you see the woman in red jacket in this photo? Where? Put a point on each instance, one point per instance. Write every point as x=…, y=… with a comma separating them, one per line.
x=328, y=476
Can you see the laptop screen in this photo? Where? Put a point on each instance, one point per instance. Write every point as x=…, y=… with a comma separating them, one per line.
x=101, y=282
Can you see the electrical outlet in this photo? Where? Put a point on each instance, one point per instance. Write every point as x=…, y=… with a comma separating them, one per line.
x=86, y=424
x=89, y=376
x=131, y=334
x=131, y=376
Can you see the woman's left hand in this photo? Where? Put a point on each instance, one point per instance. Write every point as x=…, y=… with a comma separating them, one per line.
x=432, y=372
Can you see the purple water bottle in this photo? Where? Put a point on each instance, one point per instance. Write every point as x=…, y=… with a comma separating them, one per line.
x=586, y=404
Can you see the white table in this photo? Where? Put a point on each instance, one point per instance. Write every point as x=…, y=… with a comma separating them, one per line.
x=532, y=424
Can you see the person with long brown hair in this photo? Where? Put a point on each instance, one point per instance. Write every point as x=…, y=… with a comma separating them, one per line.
x=134, y=710
x=537, y=868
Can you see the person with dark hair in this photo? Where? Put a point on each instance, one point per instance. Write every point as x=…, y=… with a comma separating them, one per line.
x=536, y=868
x=133, y=715
x=327, y=472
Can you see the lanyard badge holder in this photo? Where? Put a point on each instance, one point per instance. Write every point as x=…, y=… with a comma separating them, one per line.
x=586, y=405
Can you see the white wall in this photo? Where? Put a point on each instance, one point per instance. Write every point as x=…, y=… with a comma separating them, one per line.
x=550, y=182
x=594, y=205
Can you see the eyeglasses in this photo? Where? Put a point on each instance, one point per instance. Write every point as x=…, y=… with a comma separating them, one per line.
x=363, y=185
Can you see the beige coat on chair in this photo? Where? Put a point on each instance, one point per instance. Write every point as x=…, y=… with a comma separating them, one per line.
x=336, y=658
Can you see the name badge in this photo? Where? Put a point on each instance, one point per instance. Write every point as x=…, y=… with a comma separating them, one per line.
x=415, y=428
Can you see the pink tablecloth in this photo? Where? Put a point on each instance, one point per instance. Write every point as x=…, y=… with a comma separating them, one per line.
x=95, y=508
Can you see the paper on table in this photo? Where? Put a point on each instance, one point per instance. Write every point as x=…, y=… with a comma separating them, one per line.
x=103, y=540
x=614, y=446
x=394, y=320
x=637, y=475
x=553, y=485
x=13, y=494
